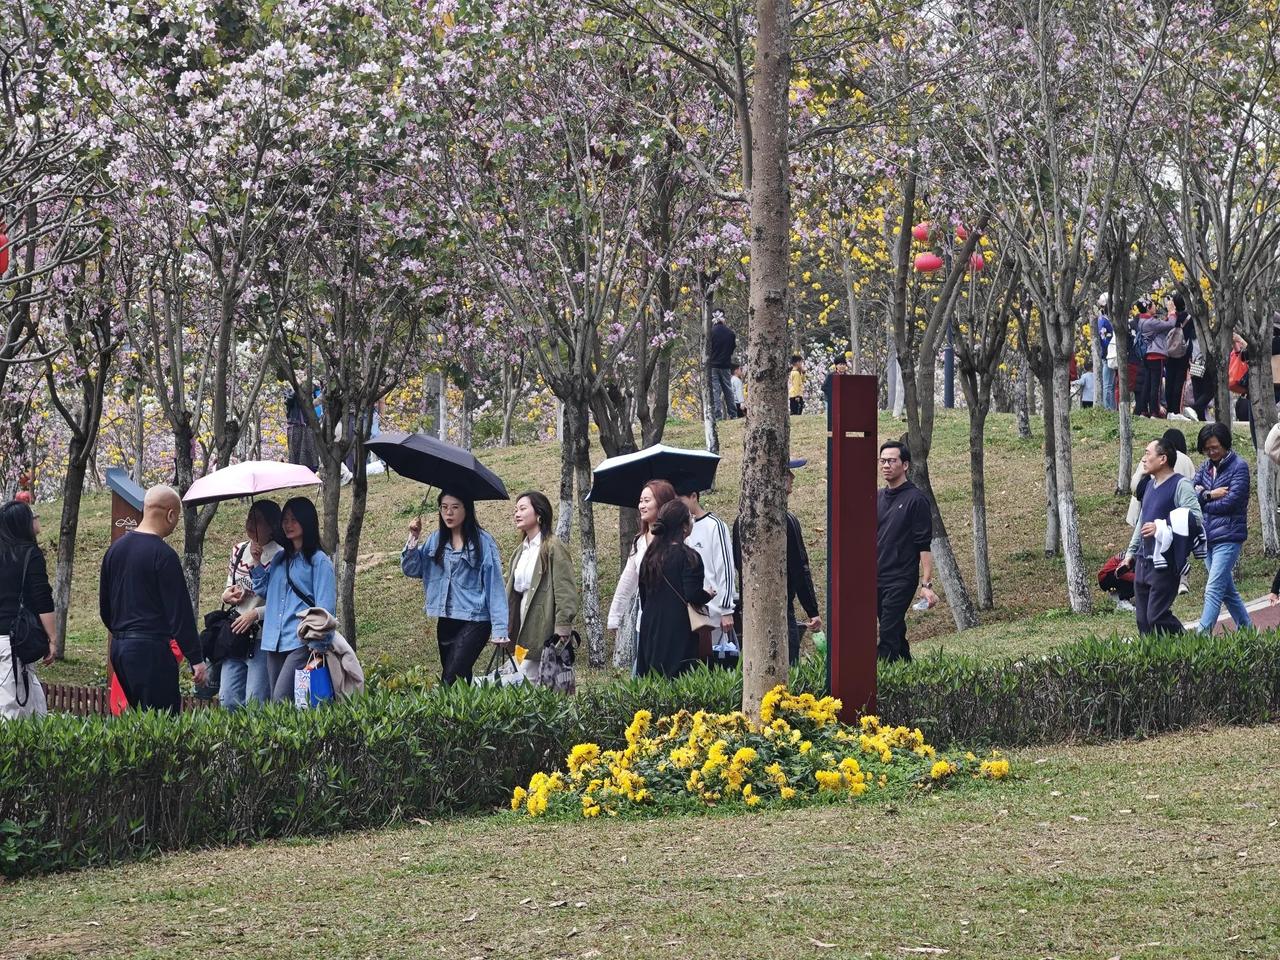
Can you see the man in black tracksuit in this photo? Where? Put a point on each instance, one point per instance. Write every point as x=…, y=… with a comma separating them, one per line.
x=799, y=578
x=904, y=532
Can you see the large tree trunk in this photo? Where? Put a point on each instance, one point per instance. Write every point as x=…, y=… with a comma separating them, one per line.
x=577, y=420
x=68, y=528
x=192, y=532
x=139, y=437
x=330, y=499
x=763, y=508
x=978, y=489
x=1078, y=591
x=1052, y=520
x=346, y=612
x=711, y=434
x=564, y=521
x=963, y=611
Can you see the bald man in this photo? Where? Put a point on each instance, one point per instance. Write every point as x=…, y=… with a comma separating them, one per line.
x=143, y=600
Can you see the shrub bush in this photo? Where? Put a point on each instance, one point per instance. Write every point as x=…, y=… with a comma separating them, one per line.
x=78, y=791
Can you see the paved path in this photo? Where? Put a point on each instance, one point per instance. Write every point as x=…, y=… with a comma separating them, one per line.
x=1263, y=615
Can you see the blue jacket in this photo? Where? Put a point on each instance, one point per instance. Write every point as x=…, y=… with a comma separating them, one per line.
x=1225, y=520
x=285, y=608
x=464, y=585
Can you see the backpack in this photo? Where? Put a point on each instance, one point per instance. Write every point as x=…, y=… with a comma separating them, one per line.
x=1176, y=343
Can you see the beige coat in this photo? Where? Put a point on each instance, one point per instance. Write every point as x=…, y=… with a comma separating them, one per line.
x=552, y=601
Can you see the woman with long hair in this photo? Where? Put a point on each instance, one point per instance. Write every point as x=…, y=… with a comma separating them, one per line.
x=461, y=574
x=300, y=576
x=244, y=679
x=20, y=692
x=671, y=579
x=542, y=596
x=654, y=495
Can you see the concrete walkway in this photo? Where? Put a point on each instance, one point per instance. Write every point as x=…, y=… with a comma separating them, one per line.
x=1263, y=615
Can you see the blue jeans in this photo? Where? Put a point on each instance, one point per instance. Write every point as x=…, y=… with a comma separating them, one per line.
x=1221, y=588
x=1108, y=387
x=245, y=680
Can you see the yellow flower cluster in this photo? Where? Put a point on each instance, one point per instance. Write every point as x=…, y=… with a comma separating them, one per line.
x=798, y=749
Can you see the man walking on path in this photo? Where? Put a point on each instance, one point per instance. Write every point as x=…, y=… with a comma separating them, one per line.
x=720, y=346
x=1167, y=533
x=143, y=600
x=904, y=561
x=799, y=575
x=711, y=538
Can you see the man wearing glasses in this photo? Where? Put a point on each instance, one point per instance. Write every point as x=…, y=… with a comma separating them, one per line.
x=904, y=533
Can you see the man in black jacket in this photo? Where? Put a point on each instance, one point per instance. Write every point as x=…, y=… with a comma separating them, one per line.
x=720, y=346
x=904, y=534
x=799, y=577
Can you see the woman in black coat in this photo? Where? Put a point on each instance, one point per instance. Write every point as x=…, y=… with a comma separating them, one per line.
x=20, y=692
x=671, y=578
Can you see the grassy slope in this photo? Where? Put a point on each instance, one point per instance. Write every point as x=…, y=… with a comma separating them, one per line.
x=1031, y=599
x=1164, y=849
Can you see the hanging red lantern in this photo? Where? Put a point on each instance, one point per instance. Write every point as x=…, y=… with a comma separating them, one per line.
x=977, y=262
x=961, y=233
x=928, y=262
x=920, y=231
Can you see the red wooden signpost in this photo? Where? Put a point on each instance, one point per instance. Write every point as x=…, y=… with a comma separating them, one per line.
x=852, y=442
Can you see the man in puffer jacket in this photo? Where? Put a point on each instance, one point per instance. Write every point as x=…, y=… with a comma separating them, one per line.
x=1222, y=486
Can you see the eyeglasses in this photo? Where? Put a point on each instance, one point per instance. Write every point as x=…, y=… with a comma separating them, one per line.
x=889, y=461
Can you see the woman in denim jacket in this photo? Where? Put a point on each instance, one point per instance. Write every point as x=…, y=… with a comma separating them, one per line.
x=465, y=589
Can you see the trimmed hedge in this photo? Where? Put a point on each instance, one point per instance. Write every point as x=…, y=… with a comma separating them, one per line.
x=80, y=791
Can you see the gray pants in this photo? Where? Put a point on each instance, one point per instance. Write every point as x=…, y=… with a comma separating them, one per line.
x=723, y=406
x=280, y=668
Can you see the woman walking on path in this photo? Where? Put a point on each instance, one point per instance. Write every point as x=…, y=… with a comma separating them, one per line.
x=671, y=579
x=542, y=598
x=20, y=692
x=1222, y=485
x=244, y=679
x=298, y=578
x=461, y=574
x=654, y=495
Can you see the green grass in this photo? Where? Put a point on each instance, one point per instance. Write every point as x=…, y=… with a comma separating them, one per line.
x=1031, y=612
x=1161, y=849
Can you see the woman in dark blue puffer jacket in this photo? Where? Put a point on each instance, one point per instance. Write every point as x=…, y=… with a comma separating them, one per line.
x=1222, y=483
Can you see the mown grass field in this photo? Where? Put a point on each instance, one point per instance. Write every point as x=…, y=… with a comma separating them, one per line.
x=1031, y=606
x=1157, y=850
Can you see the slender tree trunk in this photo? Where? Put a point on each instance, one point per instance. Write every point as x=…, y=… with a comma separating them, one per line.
x=978, y=490
x=709, y=429
x=963, y=611
x=442, y=407
x=1262, y=400
x=763, y=508
x=192, y=534
x=1021, y=405
x=330, y=499
x=139, y=437
x=1124, y=407
x=564, y=521
x=1072, y=548
x=1052, y=525
x=346, y=612
x=68, y=529
x=577, y=429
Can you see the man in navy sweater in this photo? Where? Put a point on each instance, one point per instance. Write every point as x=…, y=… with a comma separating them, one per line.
x=720, y=346
x=904, y=535
x=144, y=602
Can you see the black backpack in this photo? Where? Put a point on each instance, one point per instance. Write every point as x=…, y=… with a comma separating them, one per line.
x=27, y=639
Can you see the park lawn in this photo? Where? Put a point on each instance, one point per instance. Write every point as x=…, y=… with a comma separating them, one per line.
x=1031, y=613
x=1165, y=849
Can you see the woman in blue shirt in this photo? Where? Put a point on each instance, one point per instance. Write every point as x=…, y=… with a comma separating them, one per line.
x=300, y=577
x=462, y=579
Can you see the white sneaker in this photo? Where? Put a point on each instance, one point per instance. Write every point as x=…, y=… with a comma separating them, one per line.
x=1183, y=588
x=1125, y=606
x=1175, y=416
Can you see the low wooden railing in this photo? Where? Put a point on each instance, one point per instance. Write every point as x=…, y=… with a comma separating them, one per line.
x=94, y=701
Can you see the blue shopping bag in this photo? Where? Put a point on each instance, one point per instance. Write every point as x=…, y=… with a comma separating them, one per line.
x=312, y=685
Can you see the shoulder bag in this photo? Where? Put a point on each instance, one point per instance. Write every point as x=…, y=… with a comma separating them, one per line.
x=27, y=639
x=217, y=638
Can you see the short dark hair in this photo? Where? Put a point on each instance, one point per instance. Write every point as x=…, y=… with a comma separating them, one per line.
x=1175, y=440
x=796, y=358
x=903, y=451
x=1179, y=302
x=1166, y=449
x=1213, y=431
x=541, y=509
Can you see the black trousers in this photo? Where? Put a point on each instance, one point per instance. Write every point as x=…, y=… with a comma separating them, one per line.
x=1153, y=594
x=797, y=405
x=1149, y=388
x=1206, y=390
x=794, y=632
x=1175, y=378
x=461, y=642
x=893, y=597
x=147, y=671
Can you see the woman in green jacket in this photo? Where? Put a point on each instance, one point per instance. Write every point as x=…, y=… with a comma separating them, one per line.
x=542, y=596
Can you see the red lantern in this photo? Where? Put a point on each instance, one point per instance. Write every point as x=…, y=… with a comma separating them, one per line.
x=920, y=231
x=928, y=262
x=977, y=262
x=961, y=233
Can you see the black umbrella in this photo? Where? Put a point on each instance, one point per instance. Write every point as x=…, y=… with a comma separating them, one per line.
x=438, y=464
x=619, y=480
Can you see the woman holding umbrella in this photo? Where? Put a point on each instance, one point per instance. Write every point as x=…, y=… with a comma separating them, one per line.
x=654, y=495
x=461, y=574
x=244, y=679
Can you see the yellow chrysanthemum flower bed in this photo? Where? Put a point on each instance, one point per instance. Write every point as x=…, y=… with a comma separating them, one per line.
x=798, y=752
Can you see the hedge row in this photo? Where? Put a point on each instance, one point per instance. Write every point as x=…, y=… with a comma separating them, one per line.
x=80, y=791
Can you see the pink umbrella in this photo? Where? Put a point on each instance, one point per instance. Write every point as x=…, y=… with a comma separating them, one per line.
x=249, y=478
